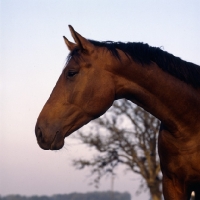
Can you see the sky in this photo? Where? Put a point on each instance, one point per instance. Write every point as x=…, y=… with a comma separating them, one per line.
x=32, y=56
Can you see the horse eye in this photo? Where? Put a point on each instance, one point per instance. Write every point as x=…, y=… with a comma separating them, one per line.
x=71, y=74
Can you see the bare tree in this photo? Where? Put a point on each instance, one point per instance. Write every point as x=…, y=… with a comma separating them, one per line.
x=125, y=135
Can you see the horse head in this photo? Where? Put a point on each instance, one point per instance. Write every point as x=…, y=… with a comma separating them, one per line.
x=84, y=91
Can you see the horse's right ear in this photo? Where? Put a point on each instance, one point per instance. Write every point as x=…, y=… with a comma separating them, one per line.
x=81, y=42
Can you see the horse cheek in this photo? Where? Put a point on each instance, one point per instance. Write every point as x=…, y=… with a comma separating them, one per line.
x=102, y=101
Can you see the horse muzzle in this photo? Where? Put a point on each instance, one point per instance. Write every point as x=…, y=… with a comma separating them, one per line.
x=55, y=142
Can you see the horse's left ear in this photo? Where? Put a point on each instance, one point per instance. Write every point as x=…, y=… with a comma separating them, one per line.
x=71, y=46
x=82, y=42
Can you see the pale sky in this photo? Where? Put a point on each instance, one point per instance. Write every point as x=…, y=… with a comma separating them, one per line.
x=32, y=56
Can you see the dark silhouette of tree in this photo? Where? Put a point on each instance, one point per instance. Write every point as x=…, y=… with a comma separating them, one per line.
x=125, y=135
x=73, y=196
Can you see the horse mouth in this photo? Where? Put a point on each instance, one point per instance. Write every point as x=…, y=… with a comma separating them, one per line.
x=58, y=141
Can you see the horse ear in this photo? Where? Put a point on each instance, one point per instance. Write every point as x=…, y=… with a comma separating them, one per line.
x=70, y=45
x=82, y=42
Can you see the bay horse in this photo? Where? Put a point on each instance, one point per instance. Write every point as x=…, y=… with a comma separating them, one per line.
x=97, y=73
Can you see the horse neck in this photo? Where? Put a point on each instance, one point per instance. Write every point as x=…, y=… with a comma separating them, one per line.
x=172, y=101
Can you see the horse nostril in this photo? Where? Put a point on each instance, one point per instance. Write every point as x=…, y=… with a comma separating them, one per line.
x=38, y=133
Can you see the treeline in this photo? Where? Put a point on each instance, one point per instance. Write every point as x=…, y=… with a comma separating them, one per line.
x=74, y=196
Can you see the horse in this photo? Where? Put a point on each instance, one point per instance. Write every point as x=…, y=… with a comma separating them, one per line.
x=98, y=73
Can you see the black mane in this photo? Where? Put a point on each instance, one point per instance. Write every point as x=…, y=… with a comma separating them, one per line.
x=145, y=54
